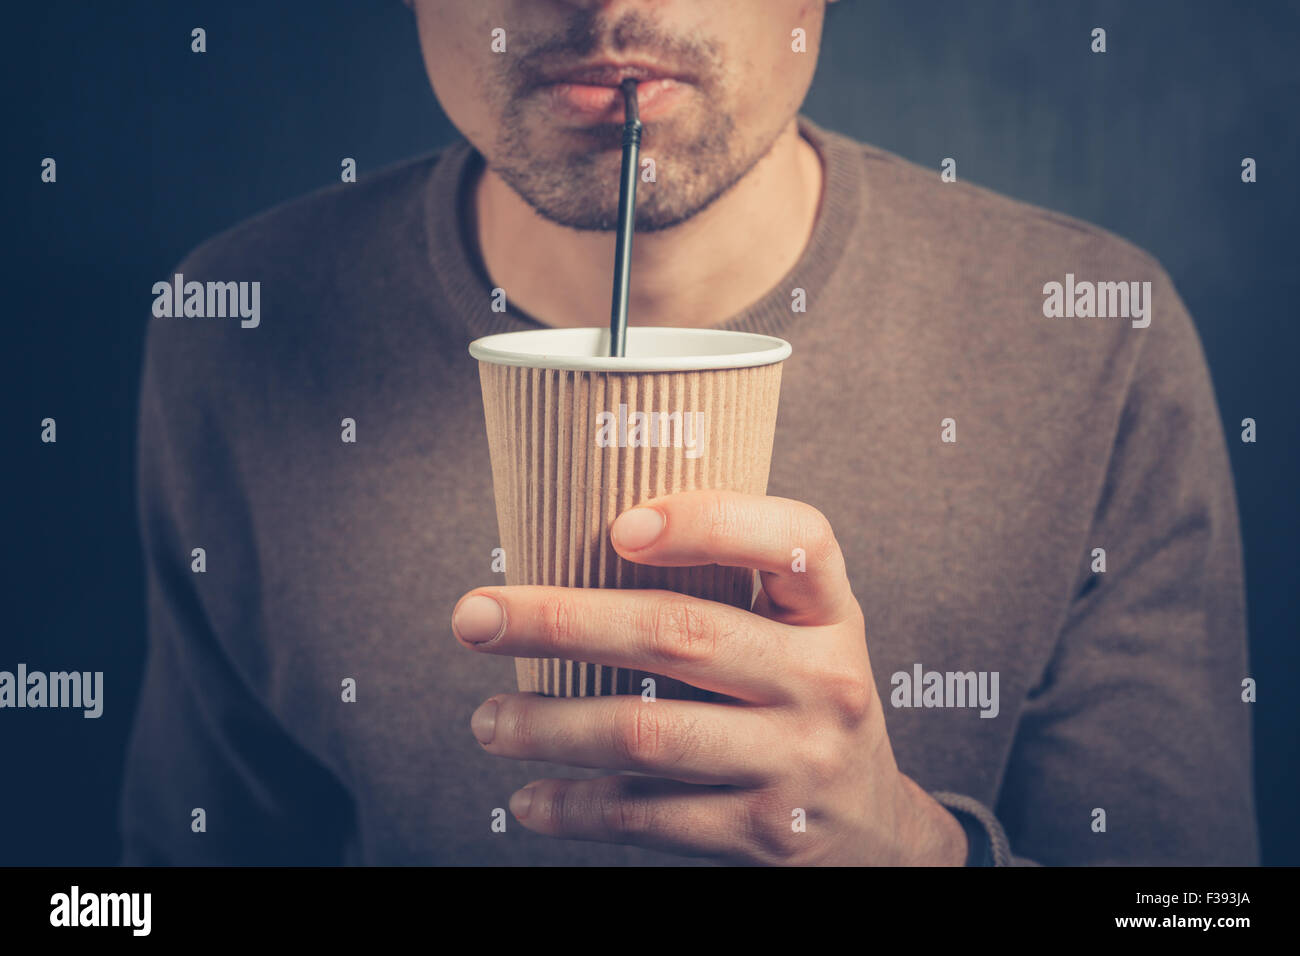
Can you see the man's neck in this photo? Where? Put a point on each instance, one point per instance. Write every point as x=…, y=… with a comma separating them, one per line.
x=697, y=274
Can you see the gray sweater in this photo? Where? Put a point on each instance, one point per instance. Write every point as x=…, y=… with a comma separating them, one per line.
x=1117, y=734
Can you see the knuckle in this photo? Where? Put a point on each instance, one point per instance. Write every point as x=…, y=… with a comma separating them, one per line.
x=815, y=529
x=516, y=719
x=558, y=808
x=557, y=620
x=821, y=760
x=622, y=814
x=722, y=523
x=848, y=692
x=768, y=819
x=683, y=633
x=639, y=732
x=554, y=804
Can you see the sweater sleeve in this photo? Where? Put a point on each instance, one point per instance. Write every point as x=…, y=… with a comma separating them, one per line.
x=204, y=737
x=986, y=840
x=1135, y=745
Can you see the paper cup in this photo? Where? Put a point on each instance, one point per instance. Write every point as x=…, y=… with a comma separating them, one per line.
x=577, y=437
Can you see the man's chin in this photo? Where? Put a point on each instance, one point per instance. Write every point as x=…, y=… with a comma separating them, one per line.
x=583, y=195
x=570, y=175
x=580, y=215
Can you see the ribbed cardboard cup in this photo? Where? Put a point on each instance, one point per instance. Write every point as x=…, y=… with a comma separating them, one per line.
x=578, y=437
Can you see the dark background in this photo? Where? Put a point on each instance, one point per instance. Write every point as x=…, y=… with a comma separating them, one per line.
x=158, y=148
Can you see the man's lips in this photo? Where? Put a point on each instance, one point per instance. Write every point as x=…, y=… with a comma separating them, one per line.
x=607, y=74
x=586, y=104
x=590, y=95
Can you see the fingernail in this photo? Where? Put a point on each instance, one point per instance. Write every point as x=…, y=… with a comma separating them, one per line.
x=479, y=619
x=520, y=802
x=636, y=529
x=484, y=722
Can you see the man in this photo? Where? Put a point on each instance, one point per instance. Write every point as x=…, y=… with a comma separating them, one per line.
x=1019, y=637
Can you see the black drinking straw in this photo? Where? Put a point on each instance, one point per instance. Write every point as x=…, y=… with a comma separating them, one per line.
x=626, y=214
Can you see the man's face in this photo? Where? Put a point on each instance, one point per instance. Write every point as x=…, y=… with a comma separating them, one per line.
x=718, y=80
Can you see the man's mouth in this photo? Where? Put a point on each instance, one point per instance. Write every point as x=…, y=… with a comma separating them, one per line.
x=589, y=95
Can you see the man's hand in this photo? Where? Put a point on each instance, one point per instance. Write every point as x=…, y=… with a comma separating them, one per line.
x=804, y=732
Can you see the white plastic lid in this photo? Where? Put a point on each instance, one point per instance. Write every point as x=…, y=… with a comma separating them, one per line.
x=649, y=349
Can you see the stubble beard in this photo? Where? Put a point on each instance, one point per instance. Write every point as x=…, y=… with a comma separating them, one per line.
x=578, y=188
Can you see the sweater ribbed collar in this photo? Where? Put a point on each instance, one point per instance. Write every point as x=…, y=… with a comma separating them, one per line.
x=467, y=290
